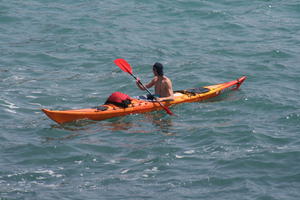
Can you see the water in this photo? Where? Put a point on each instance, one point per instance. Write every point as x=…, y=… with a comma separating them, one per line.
x=59, y=55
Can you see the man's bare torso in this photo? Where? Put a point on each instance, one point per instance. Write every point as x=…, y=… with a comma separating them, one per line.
x=161, y=85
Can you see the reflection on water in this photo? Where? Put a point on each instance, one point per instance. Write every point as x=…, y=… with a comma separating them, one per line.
x=68, y=137
x=123, y=125
x=79, y=125
x=160, y=122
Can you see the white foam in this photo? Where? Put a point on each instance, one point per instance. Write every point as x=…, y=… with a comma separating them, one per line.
x=177, y=156
x=189, y=152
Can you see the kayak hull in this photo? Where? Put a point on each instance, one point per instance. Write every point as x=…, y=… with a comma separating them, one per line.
x=140, y=106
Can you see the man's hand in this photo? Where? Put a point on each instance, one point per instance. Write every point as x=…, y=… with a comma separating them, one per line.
x=138, y=80
x=160, y=99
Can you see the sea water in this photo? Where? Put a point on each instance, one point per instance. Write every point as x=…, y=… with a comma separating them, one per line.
x=59, y=55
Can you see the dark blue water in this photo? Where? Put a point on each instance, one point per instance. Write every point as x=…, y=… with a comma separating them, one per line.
x=59, y=55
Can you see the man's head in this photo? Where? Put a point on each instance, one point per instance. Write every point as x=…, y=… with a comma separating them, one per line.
x=158, y=69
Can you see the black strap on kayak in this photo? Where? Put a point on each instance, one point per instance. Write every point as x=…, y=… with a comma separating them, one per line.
x=194, y=91
x=101, y=108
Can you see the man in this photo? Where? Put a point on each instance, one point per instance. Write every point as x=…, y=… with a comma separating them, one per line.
x=162, y=84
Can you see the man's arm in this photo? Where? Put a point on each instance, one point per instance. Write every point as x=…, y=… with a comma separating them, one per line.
x=149, y=85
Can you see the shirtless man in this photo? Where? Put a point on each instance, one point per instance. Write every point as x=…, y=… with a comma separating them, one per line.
x=161, y=83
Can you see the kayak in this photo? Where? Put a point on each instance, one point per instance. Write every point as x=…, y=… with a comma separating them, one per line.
x=107, y=111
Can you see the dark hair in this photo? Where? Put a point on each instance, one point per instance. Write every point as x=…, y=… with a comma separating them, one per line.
x=159, y=68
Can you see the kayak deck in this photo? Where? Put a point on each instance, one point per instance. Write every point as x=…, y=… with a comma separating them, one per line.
x=141, y=106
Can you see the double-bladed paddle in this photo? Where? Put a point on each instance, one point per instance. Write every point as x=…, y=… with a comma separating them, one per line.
x=124, y=65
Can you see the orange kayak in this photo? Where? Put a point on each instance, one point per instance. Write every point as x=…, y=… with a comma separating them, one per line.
x=142, y=106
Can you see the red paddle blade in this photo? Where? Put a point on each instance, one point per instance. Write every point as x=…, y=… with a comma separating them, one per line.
x=124, y=65
x=168, y=110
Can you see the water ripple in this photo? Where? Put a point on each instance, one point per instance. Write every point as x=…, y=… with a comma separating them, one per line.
x=59, y=55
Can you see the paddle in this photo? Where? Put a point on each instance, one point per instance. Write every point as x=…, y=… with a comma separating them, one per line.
x=124, y=65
